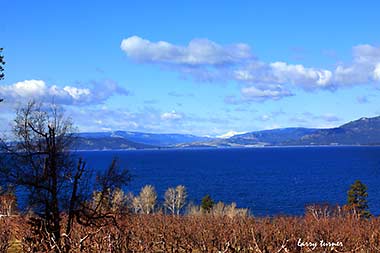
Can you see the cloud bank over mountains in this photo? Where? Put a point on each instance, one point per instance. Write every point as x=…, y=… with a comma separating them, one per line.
x=205, y=60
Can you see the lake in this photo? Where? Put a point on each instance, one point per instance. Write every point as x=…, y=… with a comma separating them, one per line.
x=268, y=181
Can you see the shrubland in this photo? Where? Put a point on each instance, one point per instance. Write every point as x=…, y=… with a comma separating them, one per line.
x=202, y=232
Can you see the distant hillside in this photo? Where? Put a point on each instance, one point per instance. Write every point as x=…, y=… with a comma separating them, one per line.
x=271, y=137
x=107, y=143
x=162, y=140
x=365, y=131
x=139, y=139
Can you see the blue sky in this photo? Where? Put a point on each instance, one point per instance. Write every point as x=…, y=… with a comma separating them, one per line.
x=206, y=68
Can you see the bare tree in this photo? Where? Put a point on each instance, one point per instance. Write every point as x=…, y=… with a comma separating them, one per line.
x=39, y=162
x=146, y=201
x=119, y=201
x=175, y=199
x=136, y=204
x=8, y=202
x=114, y=202
x=170, y=200
x=181, y=195
x=221, y=209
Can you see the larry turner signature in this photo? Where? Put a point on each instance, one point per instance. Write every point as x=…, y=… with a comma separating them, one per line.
x=321, y=243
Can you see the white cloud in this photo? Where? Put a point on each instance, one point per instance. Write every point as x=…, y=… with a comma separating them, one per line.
x=206, y=60
x=27, y=88
x=197, y=52
x=173, y=115
x=364, y=69
x=376, y=72
x=97, y=93
x=282, y=73
x=361, y=70
x=299, y=75
x=76, y=93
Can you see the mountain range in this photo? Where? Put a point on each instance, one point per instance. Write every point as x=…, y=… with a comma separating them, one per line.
x=132, y=140
x=364, y=131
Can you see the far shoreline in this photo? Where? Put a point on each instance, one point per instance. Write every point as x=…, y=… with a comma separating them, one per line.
x=226, y=148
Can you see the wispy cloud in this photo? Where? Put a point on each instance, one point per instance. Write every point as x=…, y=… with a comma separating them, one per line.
x=173, y=115
x=180, y=94
x=308, y=119
x=149, y=119
x=328, y=118
x=151, y=101
x=270, y=92
x=362, y=99
x=258, y=94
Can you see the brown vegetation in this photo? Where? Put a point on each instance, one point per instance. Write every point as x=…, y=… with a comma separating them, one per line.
x=205, y=233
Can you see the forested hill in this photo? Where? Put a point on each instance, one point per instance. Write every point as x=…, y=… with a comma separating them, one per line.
x=364, y=131
x=131, y=140
x=107, y=143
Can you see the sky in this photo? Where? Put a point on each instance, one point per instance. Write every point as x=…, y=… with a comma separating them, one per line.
x=210, y=68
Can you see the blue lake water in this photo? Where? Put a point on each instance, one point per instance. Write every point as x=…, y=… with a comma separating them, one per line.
x=268, y=181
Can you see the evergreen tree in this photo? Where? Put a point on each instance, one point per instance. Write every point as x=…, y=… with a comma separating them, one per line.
x=207, y=203
x=357, y=198
x=2, y=62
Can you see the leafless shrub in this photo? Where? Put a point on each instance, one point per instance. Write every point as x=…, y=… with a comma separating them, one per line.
x=5, y=234
x=212, y=233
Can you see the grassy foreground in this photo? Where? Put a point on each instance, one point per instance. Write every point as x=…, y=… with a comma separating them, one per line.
x=206, y=233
